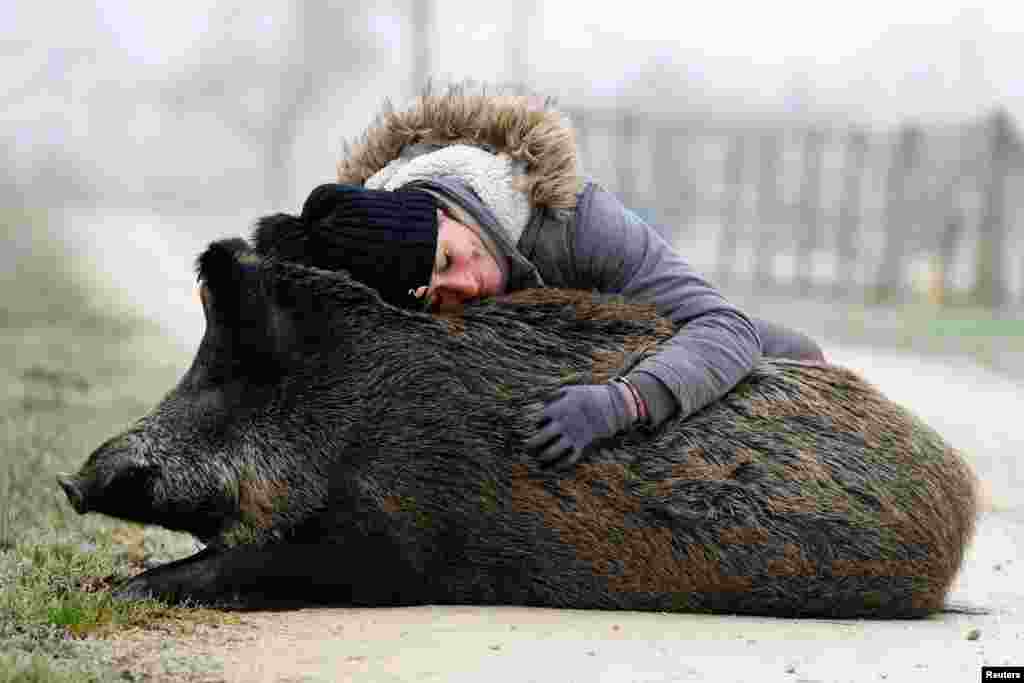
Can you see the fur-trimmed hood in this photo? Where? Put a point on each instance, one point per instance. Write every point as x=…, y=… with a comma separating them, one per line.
x=525, y=127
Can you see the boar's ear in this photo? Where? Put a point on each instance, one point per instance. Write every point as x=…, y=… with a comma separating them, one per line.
x=222, y=277
x=233, y=292
x=246, y=326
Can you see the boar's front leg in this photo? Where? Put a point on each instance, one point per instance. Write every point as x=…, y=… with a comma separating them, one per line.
x=194, y=577
x=315, y=572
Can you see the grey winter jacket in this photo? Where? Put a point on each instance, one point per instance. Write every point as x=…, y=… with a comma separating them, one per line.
x=604, y=246
x=601, y=245
x=579, y=236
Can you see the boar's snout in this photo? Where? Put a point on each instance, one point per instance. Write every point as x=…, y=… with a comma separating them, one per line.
x=73, y=492
x=114, y=480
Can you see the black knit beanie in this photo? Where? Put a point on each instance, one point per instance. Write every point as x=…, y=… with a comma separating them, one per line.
x=386, y=240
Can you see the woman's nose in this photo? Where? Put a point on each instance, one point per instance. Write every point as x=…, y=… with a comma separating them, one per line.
x=461, y=284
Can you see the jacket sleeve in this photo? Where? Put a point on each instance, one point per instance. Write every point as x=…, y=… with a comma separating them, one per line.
x=716, y=345
x=778, y=341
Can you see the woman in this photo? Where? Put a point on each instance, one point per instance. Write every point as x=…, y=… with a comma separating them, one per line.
x=514, y=213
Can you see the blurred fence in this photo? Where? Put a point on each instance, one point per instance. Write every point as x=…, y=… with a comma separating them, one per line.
x=879, y=216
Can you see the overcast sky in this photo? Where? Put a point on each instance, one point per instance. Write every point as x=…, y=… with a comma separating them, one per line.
x=885, y=58
x=873, y=62
x=77, y=80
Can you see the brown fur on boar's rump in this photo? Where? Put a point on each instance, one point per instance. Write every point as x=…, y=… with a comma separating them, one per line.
x=328, y=446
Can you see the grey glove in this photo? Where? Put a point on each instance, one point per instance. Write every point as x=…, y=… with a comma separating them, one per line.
x=575, y=418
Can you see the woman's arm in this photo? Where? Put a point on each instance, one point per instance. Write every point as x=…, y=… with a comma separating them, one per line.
x=716, y=345
x=778, y=341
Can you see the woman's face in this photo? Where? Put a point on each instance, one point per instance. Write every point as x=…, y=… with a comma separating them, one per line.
x=463, y=268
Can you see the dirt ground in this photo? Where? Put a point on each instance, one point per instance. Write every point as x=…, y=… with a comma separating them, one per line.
x=976, y=410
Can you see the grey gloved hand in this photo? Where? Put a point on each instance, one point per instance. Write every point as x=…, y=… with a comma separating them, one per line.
x=576, y=417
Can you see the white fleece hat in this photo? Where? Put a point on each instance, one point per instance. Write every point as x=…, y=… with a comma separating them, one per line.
x=491, y=177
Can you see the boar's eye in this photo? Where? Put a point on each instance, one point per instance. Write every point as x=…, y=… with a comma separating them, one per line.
x=135, y=474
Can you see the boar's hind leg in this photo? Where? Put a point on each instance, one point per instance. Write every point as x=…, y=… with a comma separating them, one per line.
x=316, y=572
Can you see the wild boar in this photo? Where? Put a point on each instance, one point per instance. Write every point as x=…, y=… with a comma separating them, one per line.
x=328, y=446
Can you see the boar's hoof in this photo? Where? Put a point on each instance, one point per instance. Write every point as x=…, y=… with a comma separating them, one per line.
x=167, y=588
x=191, y=578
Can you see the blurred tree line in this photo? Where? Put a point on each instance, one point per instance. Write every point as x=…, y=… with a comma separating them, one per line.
x=94, y=124
x=880, y=215
x=775, y=199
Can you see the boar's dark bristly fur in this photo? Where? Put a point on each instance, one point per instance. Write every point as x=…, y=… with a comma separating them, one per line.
x=326, y=445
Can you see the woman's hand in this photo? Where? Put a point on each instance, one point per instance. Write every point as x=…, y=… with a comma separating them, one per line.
x=578, y=416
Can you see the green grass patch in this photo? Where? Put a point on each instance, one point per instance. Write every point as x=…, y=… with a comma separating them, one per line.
x=56, y=596
x=977, y=326
x=73, y=372
x=990, y=338
x=924, y=324
x=19, y=667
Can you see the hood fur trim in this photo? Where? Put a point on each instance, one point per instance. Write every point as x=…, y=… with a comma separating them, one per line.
x=514, y=122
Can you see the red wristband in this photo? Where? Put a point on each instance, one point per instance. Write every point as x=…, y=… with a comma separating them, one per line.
x=638, y=401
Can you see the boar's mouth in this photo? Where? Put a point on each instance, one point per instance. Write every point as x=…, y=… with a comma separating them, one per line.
x=74, y=493
x=77, y=489
x=124, y=495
